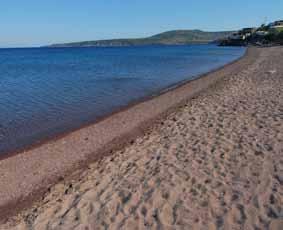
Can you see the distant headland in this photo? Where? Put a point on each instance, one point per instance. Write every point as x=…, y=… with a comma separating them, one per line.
x=175, y=37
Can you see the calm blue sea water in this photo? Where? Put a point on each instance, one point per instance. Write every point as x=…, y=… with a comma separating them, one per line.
x=46, y=91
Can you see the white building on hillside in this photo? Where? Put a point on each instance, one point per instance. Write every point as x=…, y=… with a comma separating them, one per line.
x=276, y=24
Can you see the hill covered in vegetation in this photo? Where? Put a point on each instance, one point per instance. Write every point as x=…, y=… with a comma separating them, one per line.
x=176, y=37
x=265, y=35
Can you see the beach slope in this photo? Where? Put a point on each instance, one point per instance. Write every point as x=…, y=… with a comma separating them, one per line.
x=213, y=159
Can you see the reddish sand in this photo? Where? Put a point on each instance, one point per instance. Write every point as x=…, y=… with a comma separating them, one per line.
x=211, y=162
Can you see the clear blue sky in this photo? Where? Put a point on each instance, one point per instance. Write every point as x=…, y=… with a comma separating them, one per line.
x=35, y=22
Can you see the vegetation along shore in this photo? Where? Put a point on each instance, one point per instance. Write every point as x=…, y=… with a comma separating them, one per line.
x=175, y=37
x=265, y=35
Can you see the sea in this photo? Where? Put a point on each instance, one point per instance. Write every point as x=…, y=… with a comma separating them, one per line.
x=45, y=92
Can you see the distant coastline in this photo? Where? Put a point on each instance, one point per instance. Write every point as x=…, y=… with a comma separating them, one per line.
x=175, y=37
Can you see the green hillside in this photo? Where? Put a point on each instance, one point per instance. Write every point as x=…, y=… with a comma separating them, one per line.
x=176, y=37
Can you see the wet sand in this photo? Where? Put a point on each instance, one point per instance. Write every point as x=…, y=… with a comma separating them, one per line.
x=212, y=159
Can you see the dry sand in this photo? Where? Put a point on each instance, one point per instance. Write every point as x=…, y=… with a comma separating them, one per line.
x=27, y=176
x=214, y=163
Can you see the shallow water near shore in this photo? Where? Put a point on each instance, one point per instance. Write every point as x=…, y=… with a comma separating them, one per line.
x=45, y=91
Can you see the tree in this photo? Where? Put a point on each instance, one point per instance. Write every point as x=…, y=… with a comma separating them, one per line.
x=263, y=27
x=280, y=38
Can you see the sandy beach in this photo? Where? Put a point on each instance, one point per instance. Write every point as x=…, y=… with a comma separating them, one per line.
x=206, y=155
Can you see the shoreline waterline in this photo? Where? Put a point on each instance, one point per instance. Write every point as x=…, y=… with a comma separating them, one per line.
x=19, y=134
x=208, y=163
x=51, y=138
x=56, y=159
